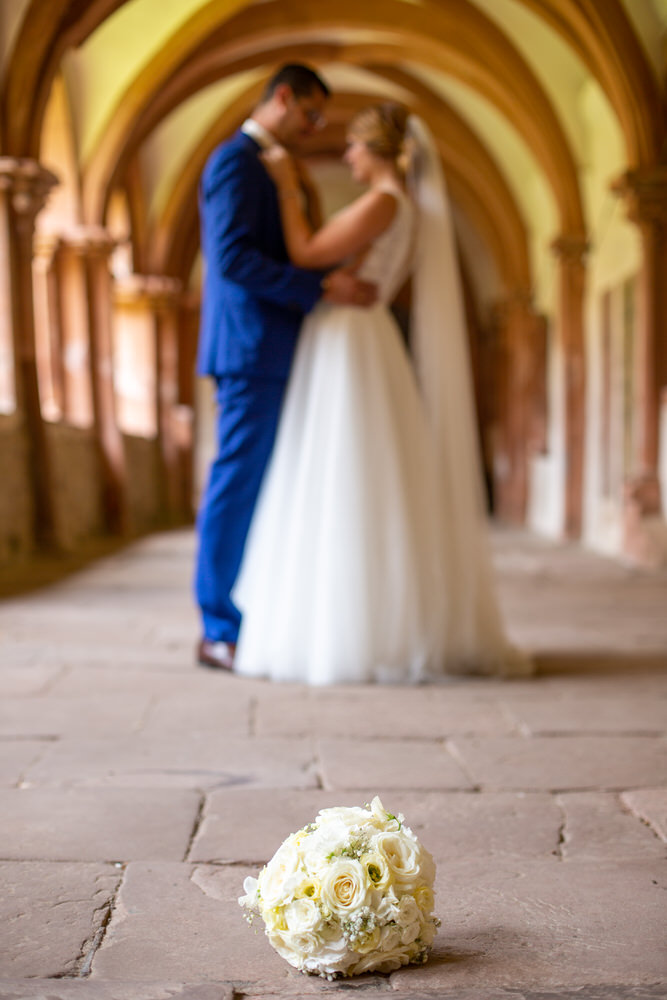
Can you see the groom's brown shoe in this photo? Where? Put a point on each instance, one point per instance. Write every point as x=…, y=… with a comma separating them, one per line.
x=217, y=655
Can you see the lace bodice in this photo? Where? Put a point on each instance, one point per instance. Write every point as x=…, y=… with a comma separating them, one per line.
x=389, y=259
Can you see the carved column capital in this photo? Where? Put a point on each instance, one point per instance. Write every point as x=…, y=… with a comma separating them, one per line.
x=45, y=247
x=571, y=248
x=517, y=301
x=28, y=184
x=153, y=290
x=88, y=241
x=645, y=194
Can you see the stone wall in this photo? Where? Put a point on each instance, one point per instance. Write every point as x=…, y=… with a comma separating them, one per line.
x=16, y=510
x=75, y=486
x=145, y=503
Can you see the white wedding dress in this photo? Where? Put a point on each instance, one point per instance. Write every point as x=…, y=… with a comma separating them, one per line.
x=354, y=570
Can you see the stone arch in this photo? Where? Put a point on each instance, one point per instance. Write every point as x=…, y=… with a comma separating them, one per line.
x=476, y=184
x=48, y=29
x=482, y=57
x=598, y=30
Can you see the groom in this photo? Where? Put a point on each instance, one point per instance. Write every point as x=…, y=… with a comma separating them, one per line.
x=253, y=303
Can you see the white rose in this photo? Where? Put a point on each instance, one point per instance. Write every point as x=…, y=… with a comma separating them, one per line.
x=411, y=932
x=408, y=911
x=387, y=908
x=302, y=916
x=345, y=886
x=346, y=815
x=295, y=948
x=424, y=898
x=309, y=887
x=390, y=938
x=382, y=818
x=274, y=919
x=369, y=943
x=377, y=869
x=333, y=955
x=427, y=866
x=322, y=844
x=388, y=962
x=402, y=856
x=279, y=878
x=428, y=933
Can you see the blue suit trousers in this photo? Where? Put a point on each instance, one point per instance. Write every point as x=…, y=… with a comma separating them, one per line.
x=248, y=412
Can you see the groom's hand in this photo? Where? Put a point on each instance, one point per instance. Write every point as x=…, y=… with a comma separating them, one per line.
x=343, y=288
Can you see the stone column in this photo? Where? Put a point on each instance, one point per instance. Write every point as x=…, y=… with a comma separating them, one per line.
x=571, y=252
x=75, y=331
x=516, y=325
x=165, y=294
x=48, y=341
x=135, y=356
x=147, y=343
x=25, y=185
x=188, y=333
x=91, y=247
x=645, y=532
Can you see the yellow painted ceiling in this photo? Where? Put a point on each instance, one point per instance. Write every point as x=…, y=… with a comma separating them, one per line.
x=100, y=73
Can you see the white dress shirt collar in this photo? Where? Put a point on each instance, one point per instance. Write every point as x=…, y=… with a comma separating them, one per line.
x=261, y=135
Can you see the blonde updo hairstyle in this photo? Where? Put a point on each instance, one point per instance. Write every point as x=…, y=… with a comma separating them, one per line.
x=382, y=129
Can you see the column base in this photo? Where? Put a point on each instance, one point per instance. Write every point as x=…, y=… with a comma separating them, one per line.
x=644, y=525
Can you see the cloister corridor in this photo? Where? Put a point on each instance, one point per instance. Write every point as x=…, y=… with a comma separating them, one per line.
x=138, y=790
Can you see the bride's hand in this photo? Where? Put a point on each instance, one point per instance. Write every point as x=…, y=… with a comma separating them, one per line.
x=280, y=166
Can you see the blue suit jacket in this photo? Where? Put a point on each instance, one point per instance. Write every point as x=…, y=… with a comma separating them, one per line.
x=253, y=299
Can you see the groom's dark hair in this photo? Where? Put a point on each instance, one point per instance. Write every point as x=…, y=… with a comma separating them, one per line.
x=302, y=79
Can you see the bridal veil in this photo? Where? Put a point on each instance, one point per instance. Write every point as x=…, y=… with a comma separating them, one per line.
x=476, y=641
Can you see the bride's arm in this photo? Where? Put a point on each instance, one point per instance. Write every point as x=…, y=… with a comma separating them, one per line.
x=347, y=233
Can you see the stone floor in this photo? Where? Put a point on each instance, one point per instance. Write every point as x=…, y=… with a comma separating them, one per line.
x=137, y=791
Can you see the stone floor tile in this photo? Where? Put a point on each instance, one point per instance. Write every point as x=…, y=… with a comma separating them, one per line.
x=50, y=915
x=609, y=991
x=388, y=764
x=183, y=923
x=241, y=825
x=194, y=760
x=20, y=657
x=17, y=756
x=375, y=713
x=592, y=712
x=81, y=630
x=48, y=715
x=77, y=682
x=130, y=657
x=469, y=825
x=538, y=884
x=248, y=825
x=87, y=989
x=650, y=805
x=587, y=685
x=192, y=711
x=563, y=762
x=597, y=826
x=523, y=924
x=17, y=682
x=101, y=824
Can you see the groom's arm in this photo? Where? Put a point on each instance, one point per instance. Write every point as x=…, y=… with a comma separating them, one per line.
x=232, y=221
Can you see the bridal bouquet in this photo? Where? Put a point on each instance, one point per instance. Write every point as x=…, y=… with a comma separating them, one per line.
x=352, y=892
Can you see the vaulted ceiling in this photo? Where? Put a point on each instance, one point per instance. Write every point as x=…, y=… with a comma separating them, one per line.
x=537, y=105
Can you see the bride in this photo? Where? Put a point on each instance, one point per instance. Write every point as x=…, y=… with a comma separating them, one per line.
x=367, y=558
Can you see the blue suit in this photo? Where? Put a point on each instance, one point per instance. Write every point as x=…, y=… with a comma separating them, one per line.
x=253, y=303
